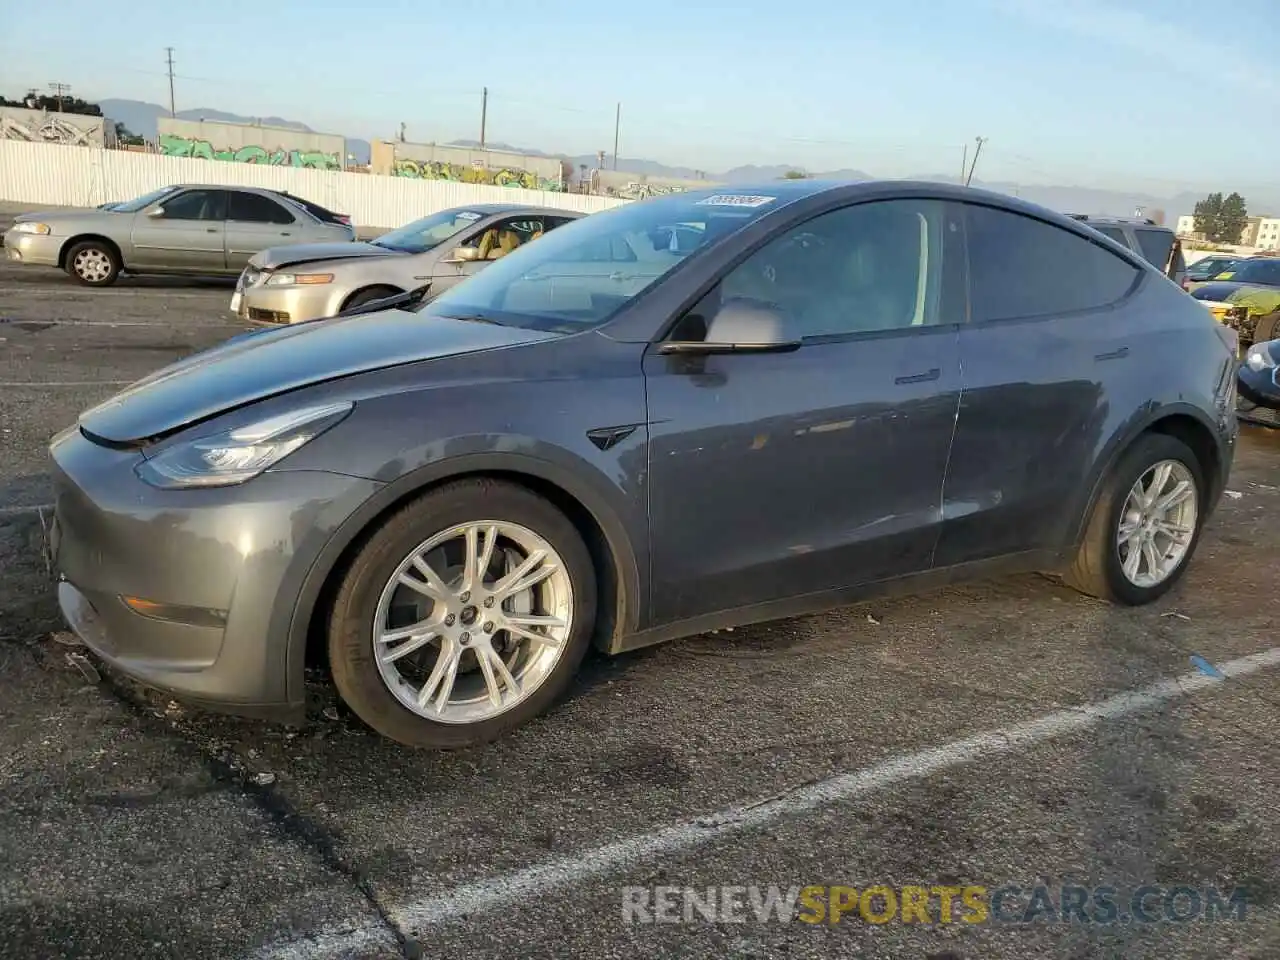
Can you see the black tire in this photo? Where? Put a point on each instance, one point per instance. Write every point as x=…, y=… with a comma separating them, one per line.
x=368, y=295
x=1096, y=570
x=351, y=654
x=104, y=250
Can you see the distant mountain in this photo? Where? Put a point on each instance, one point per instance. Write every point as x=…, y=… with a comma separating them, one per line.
x=140, y=117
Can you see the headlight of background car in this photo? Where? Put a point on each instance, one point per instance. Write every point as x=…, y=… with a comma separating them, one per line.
x=1259, y=358
x=31, y=226
x=234, y=456
x=292, y=279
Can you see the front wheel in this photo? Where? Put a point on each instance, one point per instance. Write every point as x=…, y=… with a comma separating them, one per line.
x=1145, y=526
x=93, y=263
x=465, y=614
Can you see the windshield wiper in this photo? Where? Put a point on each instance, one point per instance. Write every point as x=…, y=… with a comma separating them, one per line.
x=474, y=318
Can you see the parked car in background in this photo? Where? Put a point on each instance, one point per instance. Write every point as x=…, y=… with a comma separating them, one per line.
x=618, y=434
x=1246, y=297
x=303, y=282
x=1206, y=268
x=1257, y=385
x=183, y=229
x=1158, y=245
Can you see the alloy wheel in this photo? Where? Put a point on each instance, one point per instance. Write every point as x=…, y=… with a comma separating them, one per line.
x=92, y=265
x=1158, y=523
x=473, y=621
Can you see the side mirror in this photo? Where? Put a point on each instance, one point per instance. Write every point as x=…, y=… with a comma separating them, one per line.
x=464, y=255
x=741, y=325
x=155, y=212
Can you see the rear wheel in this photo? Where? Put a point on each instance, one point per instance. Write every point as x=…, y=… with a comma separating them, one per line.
x=1145, y=526
x=93, y=263
x=465, y=615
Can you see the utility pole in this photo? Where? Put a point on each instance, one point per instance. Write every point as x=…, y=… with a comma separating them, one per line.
x=964, y=162
x=172, y=111
x=976, y=151
x=484, y=114
x=60, y=90
x=617, y=125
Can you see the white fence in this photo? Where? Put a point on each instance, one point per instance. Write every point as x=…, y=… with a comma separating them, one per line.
x=58, y=175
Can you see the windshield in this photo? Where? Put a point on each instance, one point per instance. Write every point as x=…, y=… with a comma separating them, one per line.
x=583, y=273
x=429, y=232
x=1257, y=271
x=133, y=206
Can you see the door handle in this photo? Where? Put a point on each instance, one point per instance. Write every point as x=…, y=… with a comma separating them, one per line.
x=285, y=233
x=210, y=229
x=933, y=374
x=1119, y=354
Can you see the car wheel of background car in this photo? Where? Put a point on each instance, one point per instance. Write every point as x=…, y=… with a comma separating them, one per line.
x=464, y=615
x=93, y=263
x=1266, y=327
x=368, y=295
x=1145, y=526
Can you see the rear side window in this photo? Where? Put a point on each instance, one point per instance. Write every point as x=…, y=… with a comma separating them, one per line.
x=1115, y=233
x=1156, y=246
x=255, y=208
x=1022, y=267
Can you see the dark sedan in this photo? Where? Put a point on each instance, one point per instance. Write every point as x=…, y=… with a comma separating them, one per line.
x=691, y=412
x=1257, y=384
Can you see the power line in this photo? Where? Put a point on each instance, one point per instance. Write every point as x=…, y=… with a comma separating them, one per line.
x=172, y=111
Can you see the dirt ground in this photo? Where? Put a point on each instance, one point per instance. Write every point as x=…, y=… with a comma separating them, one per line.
x=131, y=826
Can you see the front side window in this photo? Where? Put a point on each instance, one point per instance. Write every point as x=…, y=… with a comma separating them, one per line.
x=868, y=268
x=508, y=235
x=1022, y=267
x=581, y=274
x=196, y=205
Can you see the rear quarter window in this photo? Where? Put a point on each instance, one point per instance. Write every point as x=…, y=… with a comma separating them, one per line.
x=1023, y=267
x=1156, y=246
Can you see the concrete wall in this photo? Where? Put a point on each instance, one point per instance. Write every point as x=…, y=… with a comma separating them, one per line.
x=251, y=143
x=429, y=161
x=46, y=174
x=18, y=123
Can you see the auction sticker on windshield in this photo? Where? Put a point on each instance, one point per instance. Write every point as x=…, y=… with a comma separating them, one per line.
x=732, y=200
x=468, y=216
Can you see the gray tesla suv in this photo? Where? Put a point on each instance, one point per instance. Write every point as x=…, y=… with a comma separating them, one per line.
x=686, y=413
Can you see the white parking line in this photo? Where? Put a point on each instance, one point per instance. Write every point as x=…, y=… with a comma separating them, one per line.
x=523, y=885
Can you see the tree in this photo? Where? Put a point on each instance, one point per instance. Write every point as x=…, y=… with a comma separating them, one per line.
x=1233, y=219
x=127, y=137
x=795, y=175
x=39, y=101
x=1221, y=220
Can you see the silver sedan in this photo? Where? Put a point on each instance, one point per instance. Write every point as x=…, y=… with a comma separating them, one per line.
x=297, y=283
x=183, y=229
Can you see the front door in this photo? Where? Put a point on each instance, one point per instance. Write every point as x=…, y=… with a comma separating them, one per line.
x=778, y=475
x=493, y=241
x=1040, y=349
x=255, y=223
x=186, y=237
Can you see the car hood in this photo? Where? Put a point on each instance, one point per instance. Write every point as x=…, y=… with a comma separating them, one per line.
x=274, y=257
x=1257, y=298
x=62, y=216
x=261, y=365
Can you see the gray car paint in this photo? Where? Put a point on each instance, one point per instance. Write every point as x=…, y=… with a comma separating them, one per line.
x=744, y=487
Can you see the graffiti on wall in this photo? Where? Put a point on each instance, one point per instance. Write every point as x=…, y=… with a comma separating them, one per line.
x=504, y=177
x=173, y=145
x=640, y=191
x=51, y=129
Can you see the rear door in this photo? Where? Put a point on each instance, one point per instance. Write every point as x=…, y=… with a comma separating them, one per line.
x=186, y=237
x=256, y=222
x=1042, y=344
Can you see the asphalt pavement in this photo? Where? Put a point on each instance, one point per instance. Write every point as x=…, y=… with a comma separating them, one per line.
x=985, y=735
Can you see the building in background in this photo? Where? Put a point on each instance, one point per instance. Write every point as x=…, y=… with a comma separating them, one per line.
x=250, y=143
x=430, y=161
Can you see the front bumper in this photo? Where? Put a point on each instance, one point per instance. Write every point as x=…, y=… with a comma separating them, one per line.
x=281, y=305
x=1259, y=396
x=32, y=248
x=191, y=591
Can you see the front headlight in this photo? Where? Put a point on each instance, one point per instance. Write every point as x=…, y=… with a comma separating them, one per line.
x=234, y=456
x=293, y=279
x=1259, y=358
x=30, y=226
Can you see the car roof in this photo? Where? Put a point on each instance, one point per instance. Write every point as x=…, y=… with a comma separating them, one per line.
x=1144, y=223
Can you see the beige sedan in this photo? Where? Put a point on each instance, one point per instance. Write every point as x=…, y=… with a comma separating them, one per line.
x=306, y=282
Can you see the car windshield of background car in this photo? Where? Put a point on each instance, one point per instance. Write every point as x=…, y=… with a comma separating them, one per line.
x=133, y=206
x=580, y=275
x=427, y=233
x=1257, y=271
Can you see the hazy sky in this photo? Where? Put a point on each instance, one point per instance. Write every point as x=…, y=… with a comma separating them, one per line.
x=1158, y=95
